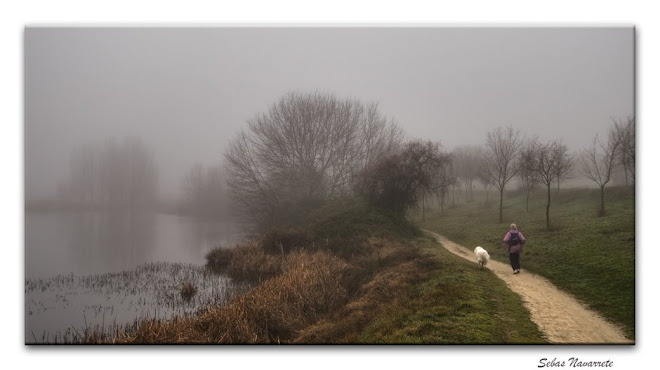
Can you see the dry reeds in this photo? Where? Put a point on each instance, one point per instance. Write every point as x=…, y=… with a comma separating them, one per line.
x=308, y=288
x=247, y=262
x=316, y=298
x=188, y=290
x=376, y=283
x=285, y=240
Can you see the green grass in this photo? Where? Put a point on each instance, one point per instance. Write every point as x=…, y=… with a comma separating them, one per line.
x=591, y=257
x=458, y=304
x=356, y=219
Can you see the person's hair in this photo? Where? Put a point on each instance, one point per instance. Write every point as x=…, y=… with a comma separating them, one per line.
x=514, y=226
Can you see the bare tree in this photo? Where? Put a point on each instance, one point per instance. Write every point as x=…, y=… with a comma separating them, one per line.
x=527, y=173
x=193, y=187
x=500, y=156
x=545, y=166
x=485, y=176
x=565, y=164
x=114, y=175
x=84, y=180
x=626, y=151
x=306, y=148
x=205, y=191
x=599, y=162
x=444, y=181
x=454, y=185
x=466, y=162
x=253, y=193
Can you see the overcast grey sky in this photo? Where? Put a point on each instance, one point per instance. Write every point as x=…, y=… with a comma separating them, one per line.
x=187, y=91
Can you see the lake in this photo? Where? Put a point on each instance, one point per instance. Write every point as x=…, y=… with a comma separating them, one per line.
x=86, y=270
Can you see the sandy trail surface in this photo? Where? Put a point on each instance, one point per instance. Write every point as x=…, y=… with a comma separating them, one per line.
x=559, y=315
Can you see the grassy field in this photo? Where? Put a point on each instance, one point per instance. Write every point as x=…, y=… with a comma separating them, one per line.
x=591, y=257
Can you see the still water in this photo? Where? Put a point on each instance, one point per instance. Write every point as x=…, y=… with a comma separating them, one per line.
x=87, y=270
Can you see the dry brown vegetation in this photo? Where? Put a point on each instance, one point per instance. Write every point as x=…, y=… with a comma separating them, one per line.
x=398, y=267
x=310, y=297
x=249, y=262
x=315, y=284
x=273, y=312
x=188, y=290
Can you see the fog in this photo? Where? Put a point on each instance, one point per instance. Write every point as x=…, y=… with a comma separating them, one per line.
x=186, y=92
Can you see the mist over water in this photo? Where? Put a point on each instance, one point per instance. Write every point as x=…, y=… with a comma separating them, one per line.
x=98, y=268
x=60, y=243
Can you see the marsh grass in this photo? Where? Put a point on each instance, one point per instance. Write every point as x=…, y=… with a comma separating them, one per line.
x=272, y=312
x=248, y=262
x=188, y=290
x=92, y=308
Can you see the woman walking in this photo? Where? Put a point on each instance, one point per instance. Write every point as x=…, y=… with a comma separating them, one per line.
x=514, y=240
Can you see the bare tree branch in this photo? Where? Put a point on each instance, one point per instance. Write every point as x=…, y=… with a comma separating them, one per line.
x=500, y=156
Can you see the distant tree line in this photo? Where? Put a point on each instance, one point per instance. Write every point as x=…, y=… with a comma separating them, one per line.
x=311, y=147
x=308, y=148
x=506, y=155
x=205, y=192
x=116, y=174
x=603, y=158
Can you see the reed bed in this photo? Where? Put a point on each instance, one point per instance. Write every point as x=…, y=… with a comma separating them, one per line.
x=309, y=287
x=74, y=309
x=317, y=297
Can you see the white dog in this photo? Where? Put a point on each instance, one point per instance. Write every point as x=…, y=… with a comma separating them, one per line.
x=482, y=256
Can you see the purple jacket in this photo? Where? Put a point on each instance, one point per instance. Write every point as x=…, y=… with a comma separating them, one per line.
x=514, y=248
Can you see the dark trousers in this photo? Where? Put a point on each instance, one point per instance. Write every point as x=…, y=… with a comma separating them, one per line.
x=514, y=258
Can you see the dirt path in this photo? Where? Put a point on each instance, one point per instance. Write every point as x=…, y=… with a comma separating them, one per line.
x=560, y=316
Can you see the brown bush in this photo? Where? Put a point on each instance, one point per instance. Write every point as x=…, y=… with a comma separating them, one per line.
x=284, y=240
x=218, y=260
x=247, y=262
x=188, y=290
x=393, y=268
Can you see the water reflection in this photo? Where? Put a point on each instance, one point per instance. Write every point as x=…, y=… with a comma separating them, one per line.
x=96, y=268
x=110, y=241
x=100, y=242
x=64, y=308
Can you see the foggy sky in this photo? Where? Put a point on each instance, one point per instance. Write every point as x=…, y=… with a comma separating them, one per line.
x=187, y=91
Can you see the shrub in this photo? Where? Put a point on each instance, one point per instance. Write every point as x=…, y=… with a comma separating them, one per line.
x=247, y=262
x=188, y=290
x=284, y=240
x=397, y=182
x=218, y=260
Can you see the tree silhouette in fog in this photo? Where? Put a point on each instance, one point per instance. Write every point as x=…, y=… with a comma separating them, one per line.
x=306, y=148
x=599, y=162
x=401, y=180
x=500, y=159
x=112, y=176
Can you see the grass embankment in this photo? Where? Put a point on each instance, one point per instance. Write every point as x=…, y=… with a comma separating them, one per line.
x=591, y=257
x=350, y=274
x=454, y=302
